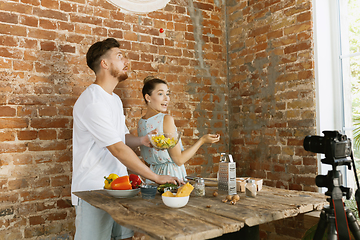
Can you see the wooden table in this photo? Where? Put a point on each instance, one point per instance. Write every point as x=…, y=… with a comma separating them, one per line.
x=204, y=217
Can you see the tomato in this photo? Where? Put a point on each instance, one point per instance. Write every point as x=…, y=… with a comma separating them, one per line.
x=121, y=183
x=135, y=180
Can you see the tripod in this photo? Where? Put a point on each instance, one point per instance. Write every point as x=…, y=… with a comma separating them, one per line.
x=327, y=216
x=337, y=149
x=337, y=216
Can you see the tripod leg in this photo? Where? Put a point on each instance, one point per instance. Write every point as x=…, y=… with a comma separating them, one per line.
x=320, y=230
x=332, y=233
x=353, y=225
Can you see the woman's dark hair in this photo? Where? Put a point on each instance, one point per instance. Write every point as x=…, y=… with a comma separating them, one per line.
x=97, y=50
x=150, y=83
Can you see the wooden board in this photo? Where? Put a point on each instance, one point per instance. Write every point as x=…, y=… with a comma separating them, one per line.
x=269, y=205
x=211, y=182
x=138, y=214
x=203, y=217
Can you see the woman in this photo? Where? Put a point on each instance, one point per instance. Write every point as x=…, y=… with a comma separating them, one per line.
x=171, y=162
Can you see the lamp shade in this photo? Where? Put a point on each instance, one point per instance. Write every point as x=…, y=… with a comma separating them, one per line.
x=139, y=6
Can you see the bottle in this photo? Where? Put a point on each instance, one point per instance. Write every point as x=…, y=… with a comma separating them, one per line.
x=199, y=187
x=250, y=188
x=222, y=157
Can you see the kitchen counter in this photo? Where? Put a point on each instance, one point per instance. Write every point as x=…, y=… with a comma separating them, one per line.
x=205, y=217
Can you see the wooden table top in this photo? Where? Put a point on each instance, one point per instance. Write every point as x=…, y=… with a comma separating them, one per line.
x=204, y=217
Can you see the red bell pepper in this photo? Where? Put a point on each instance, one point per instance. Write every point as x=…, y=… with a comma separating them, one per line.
x=121, y=183
x=135, y=180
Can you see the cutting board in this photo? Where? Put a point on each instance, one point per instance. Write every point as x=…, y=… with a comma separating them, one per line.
x=211, y=182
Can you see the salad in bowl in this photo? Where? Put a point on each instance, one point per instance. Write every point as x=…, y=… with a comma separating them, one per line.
x=163, y=141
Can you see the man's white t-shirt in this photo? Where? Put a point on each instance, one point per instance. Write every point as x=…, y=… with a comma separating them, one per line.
x=99, y=121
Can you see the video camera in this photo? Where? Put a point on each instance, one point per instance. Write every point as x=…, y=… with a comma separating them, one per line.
x=335, y=146
x=338, y=151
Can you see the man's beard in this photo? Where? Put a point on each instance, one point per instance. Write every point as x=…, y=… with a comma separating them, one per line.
x=116, y=74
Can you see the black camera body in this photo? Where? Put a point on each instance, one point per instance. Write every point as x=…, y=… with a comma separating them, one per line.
x=335, y=146
x=338, y=151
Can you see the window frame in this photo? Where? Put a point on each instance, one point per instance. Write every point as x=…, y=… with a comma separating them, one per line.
x=333, y=94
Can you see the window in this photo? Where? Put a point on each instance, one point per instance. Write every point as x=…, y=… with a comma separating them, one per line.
x=350, y=63
x=337, y=68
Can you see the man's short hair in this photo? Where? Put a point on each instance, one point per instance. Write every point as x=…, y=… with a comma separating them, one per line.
x=97, y=50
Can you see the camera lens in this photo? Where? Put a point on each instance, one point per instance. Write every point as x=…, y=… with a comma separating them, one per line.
x=314, y=144
x=322, y=181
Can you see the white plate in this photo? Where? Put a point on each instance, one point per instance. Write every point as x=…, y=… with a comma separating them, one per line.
x=123, y=193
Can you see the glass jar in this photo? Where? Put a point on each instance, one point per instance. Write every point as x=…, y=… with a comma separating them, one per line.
x=250, y=188
x=199, y=187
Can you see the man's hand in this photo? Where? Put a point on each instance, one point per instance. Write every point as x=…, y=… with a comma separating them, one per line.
x=145, y=139
x=162, y=179
x=127, y=157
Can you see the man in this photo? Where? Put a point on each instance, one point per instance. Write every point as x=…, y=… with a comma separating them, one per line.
x=102, y=143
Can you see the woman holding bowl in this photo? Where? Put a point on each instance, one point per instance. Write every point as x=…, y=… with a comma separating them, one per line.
x=156, y=94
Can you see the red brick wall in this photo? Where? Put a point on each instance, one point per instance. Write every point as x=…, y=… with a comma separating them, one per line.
x=272, y=90
x=264, y=76
x=43, y=71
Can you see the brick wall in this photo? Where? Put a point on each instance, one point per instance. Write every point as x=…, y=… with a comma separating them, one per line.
x=272, y=90
x=264, y=76
x=43, y=71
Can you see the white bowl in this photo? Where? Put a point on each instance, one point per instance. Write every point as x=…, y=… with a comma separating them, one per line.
x=175, y=202
x=122, y=193
x=162, y=141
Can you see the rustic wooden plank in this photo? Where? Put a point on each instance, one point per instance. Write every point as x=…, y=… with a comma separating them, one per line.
x=189, y=227
x=249, y=216
x=199, y=215
x=266, y=207
x=140, y=215
x=295, y=201
x=121, y=214
x=204, y=217
x=211, y=182
x=228, y=225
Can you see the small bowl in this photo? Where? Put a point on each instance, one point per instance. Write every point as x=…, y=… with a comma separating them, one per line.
x=175, y=202
x=163, y=141
x=148, y=191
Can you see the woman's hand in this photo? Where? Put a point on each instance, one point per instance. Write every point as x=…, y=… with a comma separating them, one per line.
x=210, y=138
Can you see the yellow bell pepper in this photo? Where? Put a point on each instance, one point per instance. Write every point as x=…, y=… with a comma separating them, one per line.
x=109, y=179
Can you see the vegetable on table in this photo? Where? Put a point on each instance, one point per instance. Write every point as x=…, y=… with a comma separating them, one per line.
x=109, y=180
x=233, y=199
x=121, y=183
x=168, y=186
x=135, y=181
